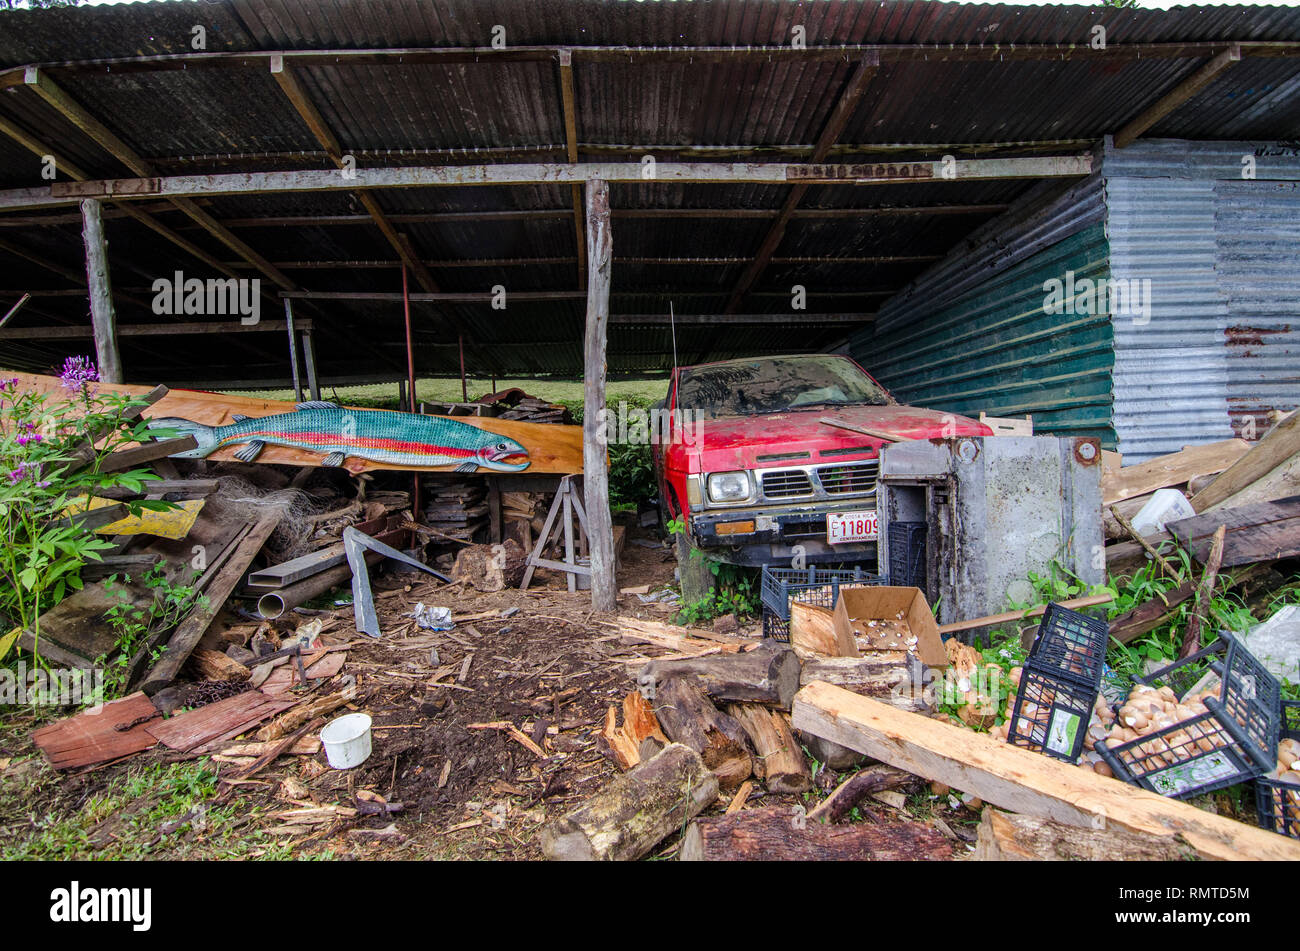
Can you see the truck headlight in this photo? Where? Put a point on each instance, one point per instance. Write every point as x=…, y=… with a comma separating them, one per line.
x=729, y=486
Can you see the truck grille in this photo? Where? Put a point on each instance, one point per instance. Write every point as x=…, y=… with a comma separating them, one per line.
x=842, y=480
x=851, y=478
x=786, y=483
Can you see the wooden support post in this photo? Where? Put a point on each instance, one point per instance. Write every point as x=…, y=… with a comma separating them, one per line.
x=309, y=358
x=293, y=350
x=595, y=468
x=100, y=286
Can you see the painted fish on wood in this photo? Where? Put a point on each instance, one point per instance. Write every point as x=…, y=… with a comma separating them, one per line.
x=384, y=436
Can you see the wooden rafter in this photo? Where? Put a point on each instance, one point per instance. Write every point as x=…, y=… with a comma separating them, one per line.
x=1184, y=91
x=569, y=108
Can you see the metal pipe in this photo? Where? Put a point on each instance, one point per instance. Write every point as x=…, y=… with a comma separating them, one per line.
x=464, y=387
x=275, y=603
x=410, y=383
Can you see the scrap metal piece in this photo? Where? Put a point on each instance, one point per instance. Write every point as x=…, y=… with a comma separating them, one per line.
x=355, y=544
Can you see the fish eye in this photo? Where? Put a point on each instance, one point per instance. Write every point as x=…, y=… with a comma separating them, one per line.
x=502, y=446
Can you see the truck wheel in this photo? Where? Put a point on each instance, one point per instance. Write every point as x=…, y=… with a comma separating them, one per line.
x=697, y=581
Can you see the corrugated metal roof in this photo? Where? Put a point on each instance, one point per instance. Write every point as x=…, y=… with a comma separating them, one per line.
x=235, y=117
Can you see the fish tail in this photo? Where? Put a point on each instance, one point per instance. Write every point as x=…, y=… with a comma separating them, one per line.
x=205, y=436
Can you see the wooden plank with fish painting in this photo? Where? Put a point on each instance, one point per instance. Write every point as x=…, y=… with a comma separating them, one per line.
x=550, y=448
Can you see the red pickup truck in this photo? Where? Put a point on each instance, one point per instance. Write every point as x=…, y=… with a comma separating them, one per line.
x=756, y=475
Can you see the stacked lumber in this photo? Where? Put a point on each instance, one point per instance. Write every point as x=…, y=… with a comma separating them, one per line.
x=524, y=515
x=457, y=509
x=516, y=404
x=1247, y=500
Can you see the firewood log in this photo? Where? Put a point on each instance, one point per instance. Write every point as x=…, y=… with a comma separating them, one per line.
x=782, y=833
x=780, y=763
x=625, y=820
x=768, y=674
x=688, y=716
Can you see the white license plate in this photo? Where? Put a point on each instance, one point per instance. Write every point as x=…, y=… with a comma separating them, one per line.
x=844, y=527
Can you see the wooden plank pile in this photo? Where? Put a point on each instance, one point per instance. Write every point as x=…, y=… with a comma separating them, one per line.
x=456, y=509
x=516, y=404
x=1248, y=494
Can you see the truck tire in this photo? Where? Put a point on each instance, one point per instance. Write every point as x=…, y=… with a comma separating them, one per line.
x=697, y=581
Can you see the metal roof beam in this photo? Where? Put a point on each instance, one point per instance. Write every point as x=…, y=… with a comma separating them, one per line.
x=542, y=214
x=637, y=55
x=704, y=173
x=78, y=115
x=154, y=330
x=1184, y=91
x=307, y=111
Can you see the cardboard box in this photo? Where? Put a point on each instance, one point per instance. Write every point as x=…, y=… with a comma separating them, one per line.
x=857, y=606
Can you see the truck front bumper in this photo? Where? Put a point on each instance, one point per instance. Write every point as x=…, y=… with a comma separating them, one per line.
x=755, y=537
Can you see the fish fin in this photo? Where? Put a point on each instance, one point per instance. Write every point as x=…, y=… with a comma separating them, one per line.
x=238, y=417
x=466, y=467
x=205, y=436
x=318, y=404
x=333, y=460
x=250, y=451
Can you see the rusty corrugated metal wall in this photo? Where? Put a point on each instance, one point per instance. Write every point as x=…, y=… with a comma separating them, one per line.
x=972, y=333
x=1220, y=346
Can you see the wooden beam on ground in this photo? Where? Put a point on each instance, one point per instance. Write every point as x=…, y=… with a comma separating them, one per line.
x=1265, y=531
x=1184, y=91
x=703, y=173
x=219, y=589
x=102, y=316
x=1129, y=482
x=1021, y=780
x=1277, y=446
x=1007, y=837
x=595, y=464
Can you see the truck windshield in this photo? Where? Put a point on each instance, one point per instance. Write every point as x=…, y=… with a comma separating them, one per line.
x=753, y=387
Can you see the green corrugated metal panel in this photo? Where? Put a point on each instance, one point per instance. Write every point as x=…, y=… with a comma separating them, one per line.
x=995, y=349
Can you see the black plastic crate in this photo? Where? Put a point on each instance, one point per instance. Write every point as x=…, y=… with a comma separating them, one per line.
x=819, y=586
x=1051, y=714
x=907, y=554
x=1277, y=803
x=1070, y=644
x=1234, y=741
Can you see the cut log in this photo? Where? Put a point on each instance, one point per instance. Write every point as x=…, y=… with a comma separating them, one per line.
x=1150, y=615
x=780, y=764
x=623, y=744
x=857, y=787
x=812, y=630
x=893, y=677
x=780, y=833
x=688, y=716
x=213, y=665
x=1021, y=780
x=491, y=567
x=636, y=811
x=767, y=674
x=1007, y=837
x=1277, y=446
x=1282, y=482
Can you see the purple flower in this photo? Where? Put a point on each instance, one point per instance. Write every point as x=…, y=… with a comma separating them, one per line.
x=78, y=373
x=22, y=472
x=24, y=440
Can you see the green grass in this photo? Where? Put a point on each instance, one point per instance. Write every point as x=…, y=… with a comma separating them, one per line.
x=149, y=811
x=448, y=390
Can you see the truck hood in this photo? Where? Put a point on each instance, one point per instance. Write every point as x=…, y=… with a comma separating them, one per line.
x=748, y=442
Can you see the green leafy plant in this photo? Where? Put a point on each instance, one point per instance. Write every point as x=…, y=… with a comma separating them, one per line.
x=51, y=449
x=134, y=624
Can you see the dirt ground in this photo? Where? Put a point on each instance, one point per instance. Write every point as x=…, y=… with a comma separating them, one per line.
x=447, y=778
